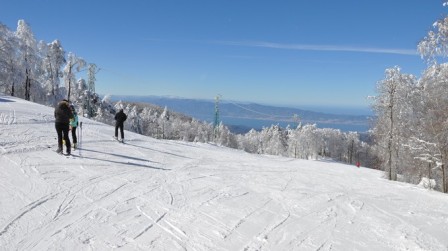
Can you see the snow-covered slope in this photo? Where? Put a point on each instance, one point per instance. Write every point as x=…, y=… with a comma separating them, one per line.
x=153, y=194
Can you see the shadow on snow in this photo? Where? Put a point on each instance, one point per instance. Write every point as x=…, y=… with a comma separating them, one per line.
x=6, y=100
x=122, y=162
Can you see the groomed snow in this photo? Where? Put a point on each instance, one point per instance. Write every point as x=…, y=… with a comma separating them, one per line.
x=153, y=194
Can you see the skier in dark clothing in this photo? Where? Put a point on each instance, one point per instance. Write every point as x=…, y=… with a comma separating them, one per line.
x=62, y=115
x=120, y=117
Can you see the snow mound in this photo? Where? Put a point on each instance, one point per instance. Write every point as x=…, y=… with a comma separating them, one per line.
x=427, y=183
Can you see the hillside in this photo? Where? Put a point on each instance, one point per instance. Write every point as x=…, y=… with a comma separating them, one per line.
x=252, y=115
x=153, y=194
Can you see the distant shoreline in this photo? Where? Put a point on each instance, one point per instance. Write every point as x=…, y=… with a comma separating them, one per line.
x=240, y=117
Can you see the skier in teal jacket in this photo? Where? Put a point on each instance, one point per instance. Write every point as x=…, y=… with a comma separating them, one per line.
x=73, y=126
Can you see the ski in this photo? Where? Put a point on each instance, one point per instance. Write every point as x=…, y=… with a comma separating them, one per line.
x=71, y=156
x=120, y=141
x=67, y=155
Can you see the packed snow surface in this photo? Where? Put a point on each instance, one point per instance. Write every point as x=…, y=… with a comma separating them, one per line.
x=150, y=194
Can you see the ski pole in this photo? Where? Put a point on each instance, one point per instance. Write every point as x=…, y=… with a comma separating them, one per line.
x=80, y=137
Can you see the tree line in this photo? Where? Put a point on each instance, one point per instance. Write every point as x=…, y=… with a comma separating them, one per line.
x=411, y=128
x=303, y=141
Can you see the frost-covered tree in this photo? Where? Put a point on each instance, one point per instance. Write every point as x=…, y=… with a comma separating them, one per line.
x=293, y=142
x=351, y=138
x=304, y=142
x=310, y=143
x=105, y=110
x=225, y=137
x=249, y=142
x=274, y=140
x=134, y=120
x=435, y=44
x=79, y=91
x=9, y=61
x=332, y=146
x=74, y=65
x=29, y=69
x=89, y=101
x=149, y=116
x=279, y=140
x=390, y=105
x=54, y=60
x=204, y=131
x=435, y=101
x=425, y=152
x=163, y=122
x=28, y=51
x=411, y=129
x=428, y=140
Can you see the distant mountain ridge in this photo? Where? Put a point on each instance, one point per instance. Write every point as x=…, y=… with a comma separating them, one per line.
x=234, y=113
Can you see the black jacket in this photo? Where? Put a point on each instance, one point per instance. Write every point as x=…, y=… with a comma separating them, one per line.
x=63, y=113
x=120, y=117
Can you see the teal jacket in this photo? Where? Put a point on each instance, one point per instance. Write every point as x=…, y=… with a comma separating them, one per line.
x=74, y=120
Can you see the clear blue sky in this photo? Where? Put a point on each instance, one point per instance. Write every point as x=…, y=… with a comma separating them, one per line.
x=300, y=52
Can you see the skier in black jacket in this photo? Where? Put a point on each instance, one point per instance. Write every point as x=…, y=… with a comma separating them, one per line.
x=120, y=117
x=62, y=115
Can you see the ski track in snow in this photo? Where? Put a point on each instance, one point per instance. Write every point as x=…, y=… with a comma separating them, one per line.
x=150, y=194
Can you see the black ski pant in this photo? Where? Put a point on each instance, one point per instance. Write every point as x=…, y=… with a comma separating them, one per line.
x=119, y=125
x=75, y=140
x=62, y=130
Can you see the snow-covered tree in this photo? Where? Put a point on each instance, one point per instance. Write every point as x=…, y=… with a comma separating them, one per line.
x=134, y=120
x=332, y=143
x=54, y=60
x=435, y=101
x=390, y=106
x=310, y=143
x=225, y=137
x=249, y=142
x=293, y=142
x=163, y=122
x=9, y=58
x=204, y=131
x=28, y=52
x=435, y=44
x=89, y=93
x=74, y=65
